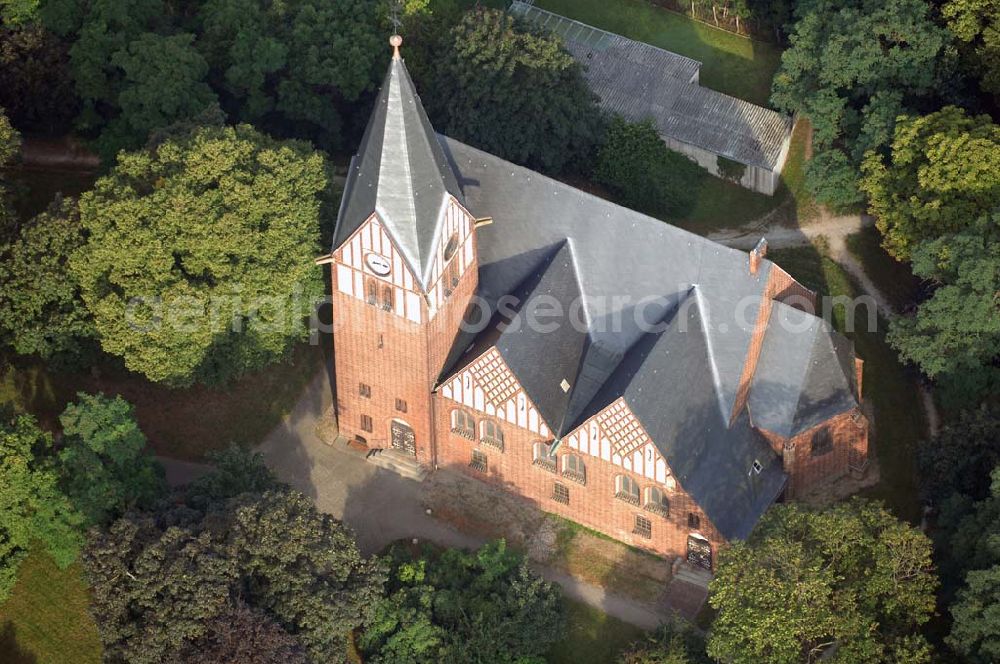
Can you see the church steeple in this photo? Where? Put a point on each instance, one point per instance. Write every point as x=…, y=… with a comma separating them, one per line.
x=400, y=173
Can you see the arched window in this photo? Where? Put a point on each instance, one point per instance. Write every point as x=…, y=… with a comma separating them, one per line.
x=542, y=454
x=573, y=468
x=626, y=489
x=656, y=501
x=372, y=289
x=387, y=297
x=490, y=434
x=451, y=278
x=463, y=424
x=449, y=249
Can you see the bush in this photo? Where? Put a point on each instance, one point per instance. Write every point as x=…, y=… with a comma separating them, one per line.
x=644, y=173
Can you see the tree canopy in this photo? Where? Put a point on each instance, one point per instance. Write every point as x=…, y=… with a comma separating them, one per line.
x=674, y=643
x=954, y=337
x=103, y=463
x=959, y=458
x=10, y=145
x=41, y=312
x=268, y=566
x=293, y=64
x=455, y=606
x=850, y=579
x=646, y=175
x=35, y=83
x=976, y=24
x=513, y=90
x=198, y=264
x=943, y=173
x=851, y=68
x=32, y=508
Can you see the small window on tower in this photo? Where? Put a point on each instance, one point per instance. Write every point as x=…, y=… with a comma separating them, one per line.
x=694, y=521
x=560, y=493
x=366, y=423
x=372, y=289
x=643, y=527
x=822, y=442
x=478, y=461
x=449, y=249
x=387, y=297
x=400, y=405
x=365, y=390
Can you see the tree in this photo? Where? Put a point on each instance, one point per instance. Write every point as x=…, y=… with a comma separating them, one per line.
x=959, y=458
x=954, y=337
x=295, y=64
x=970, y=549
x=134, y=69
x=10, y=146
x=104, y=466
x=976, y=23
x=18, y=12
x=35, y=83
x=244, y=635
x=456, y=606
x=204, y=581
x=644, y=173
x=198, y=264
x=513, y=90
x=235, y=471
x=832, y=179
x=852, y=67
x=851, y=578
x=41, y=311
x=674, y=643
x=303, y=567
x=163, y=83
x=32, y=509
x=943, y=172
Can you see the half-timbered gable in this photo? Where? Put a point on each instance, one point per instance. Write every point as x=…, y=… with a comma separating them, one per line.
x=490, y=387
x=616, y=436
x=455, y=253
x=370, y=267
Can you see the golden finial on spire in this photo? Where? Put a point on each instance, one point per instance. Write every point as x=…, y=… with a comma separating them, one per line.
x=396, y=41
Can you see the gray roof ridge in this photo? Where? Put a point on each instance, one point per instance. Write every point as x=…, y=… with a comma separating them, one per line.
x=523, y=6
x=704, y=314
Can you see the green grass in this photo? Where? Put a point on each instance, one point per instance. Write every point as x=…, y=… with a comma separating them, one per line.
x=591, y=637
x=730, y=63
x=182, y=424
x=894, y=279
x=891, y=389
x=45, y=621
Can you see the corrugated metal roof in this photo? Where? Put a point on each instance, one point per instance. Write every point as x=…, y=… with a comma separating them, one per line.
x=640, y=81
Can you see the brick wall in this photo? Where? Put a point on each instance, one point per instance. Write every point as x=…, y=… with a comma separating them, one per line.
x=592, y=504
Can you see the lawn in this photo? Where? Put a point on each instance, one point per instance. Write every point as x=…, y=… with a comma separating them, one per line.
x=592, y=637
x=891, y=388
x=182, y=424
x=45, y=621
x=732, y=64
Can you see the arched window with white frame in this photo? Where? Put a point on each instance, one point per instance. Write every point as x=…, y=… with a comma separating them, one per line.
x=626, y=489
x=542, y=456
x=491, y=434
x=573, y=468
x=463, y=424
x=656, y=501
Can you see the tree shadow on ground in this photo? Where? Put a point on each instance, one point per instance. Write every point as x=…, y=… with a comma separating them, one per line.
x=10, y=650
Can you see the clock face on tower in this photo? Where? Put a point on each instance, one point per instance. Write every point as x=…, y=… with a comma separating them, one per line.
x=378, y=264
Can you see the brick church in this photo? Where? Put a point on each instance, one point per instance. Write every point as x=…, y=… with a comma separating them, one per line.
x=613, y=369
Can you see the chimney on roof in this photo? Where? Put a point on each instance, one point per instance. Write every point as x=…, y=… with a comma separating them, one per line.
x=757, y=254
x=395, y=41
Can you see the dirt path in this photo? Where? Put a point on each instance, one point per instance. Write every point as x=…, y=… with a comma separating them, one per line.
x=835, y=230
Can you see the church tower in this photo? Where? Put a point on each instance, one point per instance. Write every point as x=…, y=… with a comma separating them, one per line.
x=403, y=270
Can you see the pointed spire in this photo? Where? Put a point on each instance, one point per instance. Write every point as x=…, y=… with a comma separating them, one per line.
x=400, y=172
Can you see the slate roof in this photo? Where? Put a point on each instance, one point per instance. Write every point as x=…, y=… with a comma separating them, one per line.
x=656, y=315
x=548, y=237
x=805, y=374
x=400, y=173
x=640, y=81
x=668, y=381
